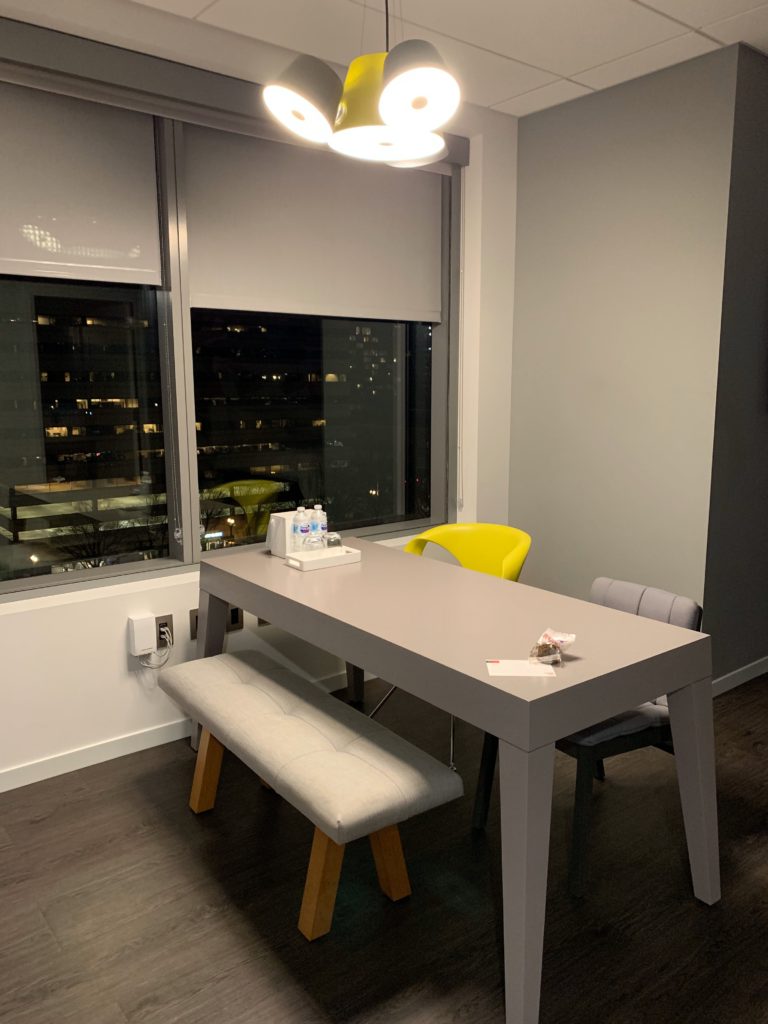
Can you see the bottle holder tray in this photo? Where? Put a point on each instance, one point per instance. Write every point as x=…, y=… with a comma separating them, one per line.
x=325, y=559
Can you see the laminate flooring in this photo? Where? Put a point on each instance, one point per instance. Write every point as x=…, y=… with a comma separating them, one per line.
x=119, y=906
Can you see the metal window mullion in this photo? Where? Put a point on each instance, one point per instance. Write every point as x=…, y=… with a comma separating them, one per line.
x=452, y=263
x=178, y=382
x=400, y=412
x=443, y=455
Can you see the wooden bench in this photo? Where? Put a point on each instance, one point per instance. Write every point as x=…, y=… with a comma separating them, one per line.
x=349, y=775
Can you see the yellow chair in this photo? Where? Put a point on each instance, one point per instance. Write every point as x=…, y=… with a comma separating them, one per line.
x=484, y=547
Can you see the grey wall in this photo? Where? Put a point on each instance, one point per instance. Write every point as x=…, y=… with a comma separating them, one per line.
x=736, y=591
x=622, y=212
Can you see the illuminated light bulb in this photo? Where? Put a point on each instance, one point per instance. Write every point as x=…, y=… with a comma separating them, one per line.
x=305, y=98
x=418, y=92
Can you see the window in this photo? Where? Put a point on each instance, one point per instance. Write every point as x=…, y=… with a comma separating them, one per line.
x=316, y=369
x=338, y=411
x=80, y=486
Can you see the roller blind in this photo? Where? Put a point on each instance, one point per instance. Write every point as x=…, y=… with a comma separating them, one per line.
x=78, y=192
x=281, y=228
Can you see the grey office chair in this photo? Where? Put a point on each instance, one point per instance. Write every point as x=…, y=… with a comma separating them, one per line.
x=644, y=726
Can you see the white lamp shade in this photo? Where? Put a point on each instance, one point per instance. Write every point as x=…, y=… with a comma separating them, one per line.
x=305, y=98
x=424, y=160
x=418, y=92
x=382, y=144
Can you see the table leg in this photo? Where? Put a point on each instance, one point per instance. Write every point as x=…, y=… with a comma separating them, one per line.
x=690, y=713
x=526, y=809
x=211, y=625
x=212, y=615
x=355, y=685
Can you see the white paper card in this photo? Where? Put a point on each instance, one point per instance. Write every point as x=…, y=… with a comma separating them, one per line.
x=518, y=668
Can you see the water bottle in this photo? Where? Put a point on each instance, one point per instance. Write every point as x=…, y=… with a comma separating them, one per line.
x=304, y=528
x=316, y=523
x=314, y=539
x=300, y=519
x=323, y=523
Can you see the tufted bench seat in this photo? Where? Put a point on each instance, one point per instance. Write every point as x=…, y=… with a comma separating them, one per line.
x=349, y=775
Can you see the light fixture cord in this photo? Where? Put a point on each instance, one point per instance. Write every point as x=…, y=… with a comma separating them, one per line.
x=362, y=27
x=386, y=21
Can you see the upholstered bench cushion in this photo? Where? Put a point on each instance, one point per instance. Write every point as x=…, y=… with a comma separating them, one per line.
x=348, y=774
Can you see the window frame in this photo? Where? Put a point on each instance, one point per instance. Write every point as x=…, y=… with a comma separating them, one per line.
x=51, y=51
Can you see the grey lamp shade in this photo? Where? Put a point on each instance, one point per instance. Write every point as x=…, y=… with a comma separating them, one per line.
x=411, y=53
x=316, y=82
x=418, y=92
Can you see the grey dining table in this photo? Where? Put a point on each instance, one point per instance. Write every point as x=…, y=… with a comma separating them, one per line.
x=429, y=628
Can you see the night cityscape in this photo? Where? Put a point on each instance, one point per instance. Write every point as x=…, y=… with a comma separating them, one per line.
x=300, y=409
x=289, y=410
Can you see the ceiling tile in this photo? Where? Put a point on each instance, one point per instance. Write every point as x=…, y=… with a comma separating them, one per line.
x=663, y=55
x=539, y=99
x=558, y=36
x=339, y=30
x=185, y=8
x=749, y=28
x=333, y=30
x=485, y=77
x=701, y=12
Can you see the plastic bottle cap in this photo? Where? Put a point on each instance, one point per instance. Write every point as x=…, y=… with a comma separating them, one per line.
x=301, y=508
x=318, y=506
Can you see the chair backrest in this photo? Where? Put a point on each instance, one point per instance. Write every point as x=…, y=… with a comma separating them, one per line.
x=485, y=547
x=646, y=601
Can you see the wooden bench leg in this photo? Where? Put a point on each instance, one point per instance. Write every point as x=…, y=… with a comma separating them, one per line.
x=320, y=888
x=390, y=863
x=207, y=769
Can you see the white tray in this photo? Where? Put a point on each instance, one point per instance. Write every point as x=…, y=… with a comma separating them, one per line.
x=325, y=559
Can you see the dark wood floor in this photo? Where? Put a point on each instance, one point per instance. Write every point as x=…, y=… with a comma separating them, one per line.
x=118, y=905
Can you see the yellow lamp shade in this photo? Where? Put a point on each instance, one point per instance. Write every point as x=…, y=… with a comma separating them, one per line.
x=360, y=131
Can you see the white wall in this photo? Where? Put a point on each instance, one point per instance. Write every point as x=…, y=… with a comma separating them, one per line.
x=487, y=291
x=73, y=696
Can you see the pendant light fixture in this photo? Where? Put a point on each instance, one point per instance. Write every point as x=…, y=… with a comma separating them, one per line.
x=389, y=108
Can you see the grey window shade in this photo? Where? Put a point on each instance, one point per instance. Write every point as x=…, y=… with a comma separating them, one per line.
x=281, y=228
x=78, y=195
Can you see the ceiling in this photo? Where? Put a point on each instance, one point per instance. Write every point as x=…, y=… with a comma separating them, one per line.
x=515, y=56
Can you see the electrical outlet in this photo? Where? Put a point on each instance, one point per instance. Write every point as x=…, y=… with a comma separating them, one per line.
x=163, y=622
x=234, y=621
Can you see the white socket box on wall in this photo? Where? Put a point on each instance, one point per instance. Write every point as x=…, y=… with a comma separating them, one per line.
x=141, y=635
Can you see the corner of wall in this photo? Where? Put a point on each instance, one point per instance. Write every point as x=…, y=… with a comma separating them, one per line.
x=487, y=295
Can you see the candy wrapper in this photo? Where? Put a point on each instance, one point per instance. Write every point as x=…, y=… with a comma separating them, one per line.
x=549, y=648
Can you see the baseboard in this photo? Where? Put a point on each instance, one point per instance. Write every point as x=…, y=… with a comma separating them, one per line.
x=71, y=760
x=741, y=675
